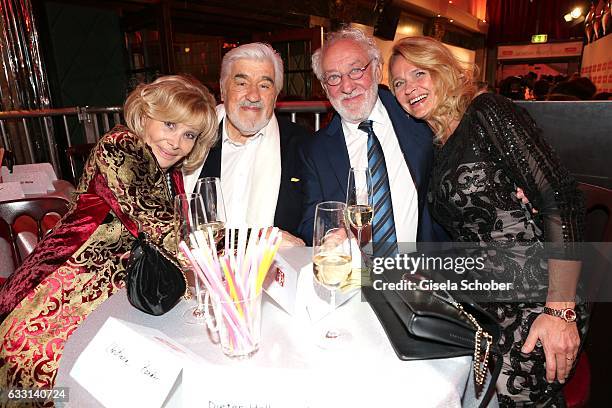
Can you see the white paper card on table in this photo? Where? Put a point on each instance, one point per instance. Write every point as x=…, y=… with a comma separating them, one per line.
x=243, y=384
x=290, y=283
x=46, y=168
x=127, y=365
x=37, y=182
x=11, y=191
x=282, y=280
x=316, y=297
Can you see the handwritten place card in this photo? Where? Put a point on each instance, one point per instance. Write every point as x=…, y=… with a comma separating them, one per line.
x=242, y=384
x=11, y=191
x=127, y=365
x=31, y=183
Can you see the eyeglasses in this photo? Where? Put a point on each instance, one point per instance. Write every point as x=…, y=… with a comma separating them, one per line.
x=354, y=74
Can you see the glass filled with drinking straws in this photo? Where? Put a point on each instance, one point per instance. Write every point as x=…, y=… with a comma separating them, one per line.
x=238, y=324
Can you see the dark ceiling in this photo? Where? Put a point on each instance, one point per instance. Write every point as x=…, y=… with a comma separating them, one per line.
x=230, y=18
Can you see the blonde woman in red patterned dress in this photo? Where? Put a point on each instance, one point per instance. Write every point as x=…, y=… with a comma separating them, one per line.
x=128, y=186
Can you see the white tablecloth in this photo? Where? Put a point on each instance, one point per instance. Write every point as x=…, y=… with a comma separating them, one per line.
x=289, y=367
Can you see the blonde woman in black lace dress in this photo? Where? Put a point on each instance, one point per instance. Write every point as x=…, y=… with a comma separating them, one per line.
x=487, y=147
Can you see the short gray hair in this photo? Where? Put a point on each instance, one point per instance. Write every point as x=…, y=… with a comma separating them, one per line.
x=255, y=51
x=367, y=43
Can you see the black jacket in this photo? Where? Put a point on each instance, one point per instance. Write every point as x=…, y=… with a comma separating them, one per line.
x=289, y=205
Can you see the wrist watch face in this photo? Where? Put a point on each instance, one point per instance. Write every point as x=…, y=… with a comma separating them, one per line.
x=569, y=315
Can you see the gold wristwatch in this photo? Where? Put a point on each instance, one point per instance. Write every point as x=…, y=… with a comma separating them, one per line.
x=569, y=315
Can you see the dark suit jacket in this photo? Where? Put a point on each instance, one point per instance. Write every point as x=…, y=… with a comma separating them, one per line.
x=289, y=204
x=325, y=165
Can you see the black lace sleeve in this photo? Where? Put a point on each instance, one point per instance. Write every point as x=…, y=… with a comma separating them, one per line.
x=515, y=140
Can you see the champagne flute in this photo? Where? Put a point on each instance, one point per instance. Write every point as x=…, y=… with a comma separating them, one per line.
x=331, y=257
x=189, y=209
x=214, y=207
x=359, y=206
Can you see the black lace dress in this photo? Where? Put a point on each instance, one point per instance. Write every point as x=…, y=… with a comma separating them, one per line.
x=496, y=148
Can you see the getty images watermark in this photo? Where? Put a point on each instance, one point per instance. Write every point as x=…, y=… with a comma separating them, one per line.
x=496, y=271
x=411, y=264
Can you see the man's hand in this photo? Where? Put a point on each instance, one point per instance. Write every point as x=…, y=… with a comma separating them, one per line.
x=291, y=240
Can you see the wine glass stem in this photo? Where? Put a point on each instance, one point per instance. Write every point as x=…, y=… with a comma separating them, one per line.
x=332, y=333
x=359, y=238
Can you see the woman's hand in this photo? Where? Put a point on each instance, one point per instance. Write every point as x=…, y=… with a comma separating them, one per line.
x=520, y=194
x=560, y=341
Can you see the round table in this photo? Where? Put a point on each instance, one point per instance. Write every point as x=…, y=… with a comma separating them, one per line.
x=289, y=370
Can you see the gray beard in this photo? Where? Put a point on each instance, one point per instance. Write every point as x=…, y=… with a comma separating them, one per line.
x=363, y=112
x=246, y=128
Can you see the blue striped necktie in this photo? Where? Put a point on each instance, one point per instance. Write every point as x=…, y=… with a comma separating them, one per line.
x=384, y=240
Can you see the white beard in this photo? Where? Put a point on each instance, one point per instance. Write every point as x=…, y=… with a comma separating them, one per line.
x=360, y=113
x=247, y=127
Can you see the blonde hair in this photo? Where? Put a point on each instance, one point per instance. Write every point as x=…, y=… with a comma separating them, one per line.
x=452, y=79
x=179, y=99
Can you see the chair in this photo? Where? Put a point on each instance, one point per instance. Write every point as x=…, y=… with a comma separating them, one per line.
x=598, y=203
x=578, y=389
x=598, y=228
x=37, y=209
x=77, y=155
x=7, y=158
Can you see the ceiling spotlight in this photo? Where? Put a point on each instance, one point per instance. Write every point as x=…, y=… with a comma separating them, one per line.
x=451, y=20
x=577, y=12
x=568, y=17
x=438, y=15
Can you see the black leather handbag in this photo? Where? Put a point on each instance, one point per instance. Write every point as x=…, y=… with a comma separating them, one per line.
x=424, y=325
x=155, y=282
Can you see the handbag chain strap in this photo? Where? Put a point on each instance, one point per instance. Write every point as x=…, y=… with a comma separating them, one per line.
x=481, y=361
x=162, y=252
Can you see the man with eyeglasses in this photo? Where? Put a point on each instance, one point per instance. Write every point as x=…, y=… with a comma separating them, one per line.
x=370, y=130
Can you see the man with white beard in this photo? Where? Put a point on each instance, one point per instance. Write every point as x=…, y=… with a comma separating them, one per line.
x=256, y=152
x=370, y=130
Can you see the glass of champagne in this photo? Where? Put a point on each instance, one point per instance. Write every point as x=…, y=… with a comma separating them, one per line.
x=189, y=209
x=214, y=207
x=359, y=206
x=331, y=257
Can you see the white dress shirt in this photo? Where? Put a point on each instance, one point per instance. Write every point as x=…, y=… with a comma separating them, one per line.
x=237, y=162
x=403, y=191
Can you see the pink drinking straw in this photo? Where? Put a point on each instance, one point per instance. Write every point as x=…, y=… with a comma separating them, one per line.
x=216, y=286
